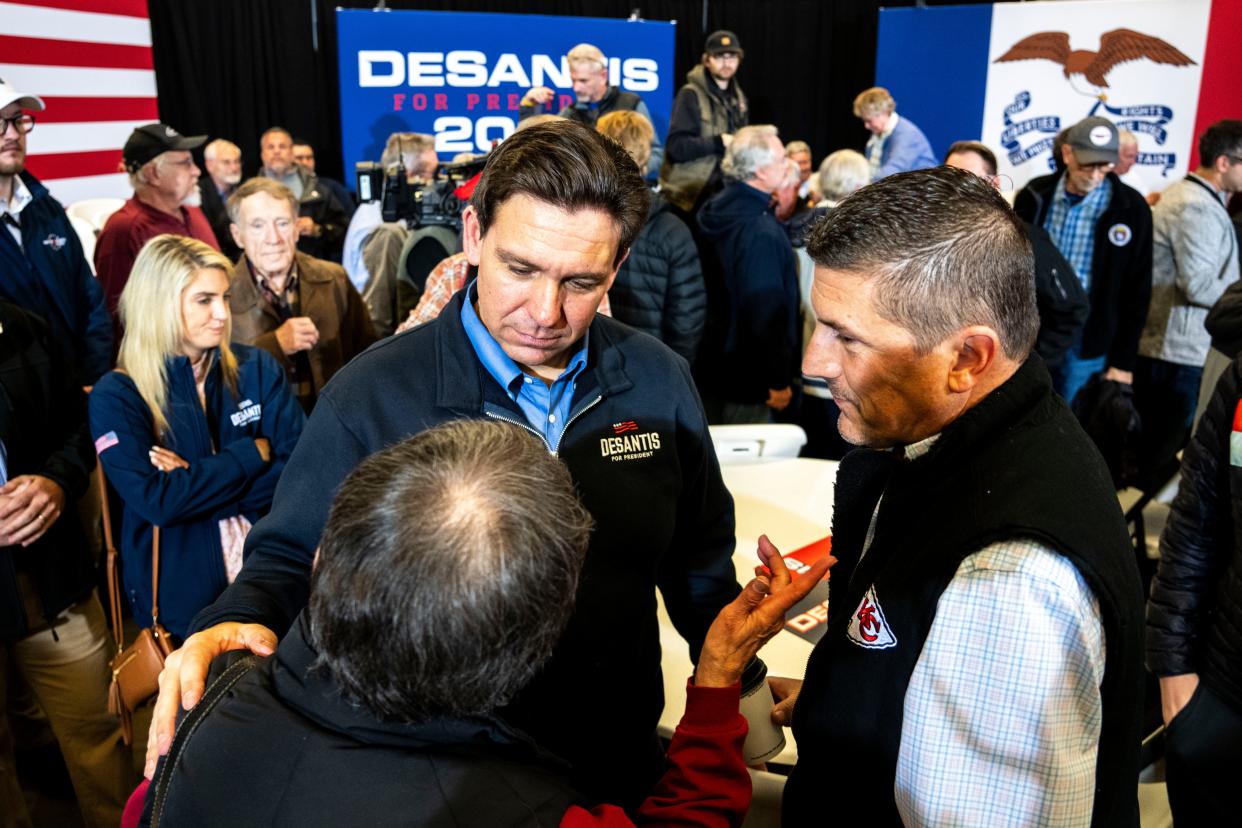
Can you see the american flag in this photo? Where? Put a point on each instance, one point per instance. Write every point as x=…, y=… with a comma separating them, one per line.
x=90, y=61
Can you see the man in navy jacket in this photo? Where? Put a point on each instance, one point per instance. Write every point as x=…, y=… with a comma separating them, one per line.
x=751, y=350
x=42, y=267
x=549, y=224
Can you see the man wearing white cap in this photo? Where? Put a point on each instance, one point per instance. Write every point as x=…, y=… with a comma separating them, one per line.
x=1103, y=228
x=42, y=267
x=166, y=200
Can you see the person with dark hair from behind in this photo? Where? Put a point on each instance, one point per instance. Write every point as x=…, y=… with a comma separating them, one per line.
x=382, y=704
x=983, y=662
x=1194, y=616
x=659, y=288
x=1059, y=296
x=552, y=218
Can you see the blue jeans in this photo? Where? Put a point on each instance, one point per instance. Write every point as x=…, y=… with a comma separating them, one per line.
x=1072, y=374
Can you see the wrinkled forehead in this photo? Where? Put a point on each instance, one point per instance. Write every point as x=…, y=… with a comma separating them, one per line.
x=265, y=206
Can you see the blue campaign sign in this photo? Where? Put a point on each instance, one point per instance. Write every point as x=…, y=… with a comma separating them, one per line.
x=460, y=76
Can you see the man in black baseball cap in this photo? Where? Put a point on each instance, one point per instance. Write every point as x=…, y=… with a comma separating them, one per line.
x=166, y=200
x=691, y=170
x=148, y=142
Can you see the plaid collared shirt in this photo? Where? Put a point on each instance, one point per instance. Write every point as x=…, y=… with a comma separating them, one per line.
x=286, y=305
x=1002, y=716
x=1072, y=226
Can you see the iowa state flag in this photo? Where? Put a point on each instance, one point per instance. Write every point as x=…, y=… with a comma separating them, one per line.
x=1014, y=74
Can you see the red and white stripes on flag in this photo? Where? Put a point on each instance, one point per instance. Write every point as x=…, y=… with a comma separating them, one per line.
x=90, y=61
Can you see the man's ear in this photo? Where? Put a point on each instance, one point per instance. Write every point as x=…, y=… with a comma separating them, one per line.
x=1067, y=154
x=471, y=236
x=976, y=349
x=236, y=232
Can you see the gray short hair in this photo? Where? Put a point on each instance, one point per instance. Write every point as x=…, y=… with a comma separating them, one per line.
x=843, y=172
x=797, y=146
x=447, y=571
x=209, y=152
x=749, y=150
x=943, y=251
x=260, y=184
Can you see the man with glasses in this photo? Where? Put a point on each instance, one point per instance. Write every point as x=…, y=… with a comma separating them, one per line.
x=1103, y=228
x=708, y=110
x=166, y=200
x=42, y=266
x=1194, y=258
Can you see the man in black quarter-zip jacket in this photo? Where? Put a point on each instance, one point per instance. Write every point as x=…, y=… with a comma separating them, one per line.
x=549, y=224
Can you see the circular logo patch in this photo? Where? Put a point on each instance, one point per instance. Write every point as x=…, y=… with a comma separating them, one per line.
x=1119, y=234
x=1099, y=135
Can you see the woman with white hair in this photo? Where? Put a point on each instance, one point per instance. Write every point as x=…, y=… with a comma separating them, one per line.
x=192, y=430
x=840, y=174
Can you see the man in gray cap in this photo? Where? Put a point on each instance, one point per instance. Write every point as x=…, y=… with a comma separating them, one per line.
x=706, y=113
x=166, y=200
x=1103, y=227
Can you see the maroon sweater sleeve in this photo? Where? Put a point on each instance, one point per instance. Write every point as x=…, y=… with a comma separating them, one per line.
x=706, y=783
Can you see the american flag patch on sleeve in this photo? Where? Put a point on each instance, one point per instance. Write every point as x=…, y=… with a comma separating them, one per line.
x=105, y=442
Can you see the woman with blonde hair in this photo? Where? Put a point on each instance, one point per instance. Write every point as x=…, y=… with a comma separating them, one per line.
x=192, y=430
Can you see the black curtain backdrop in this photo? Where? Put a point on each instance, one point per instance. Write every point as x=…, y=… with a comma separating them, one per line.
x=232, y=68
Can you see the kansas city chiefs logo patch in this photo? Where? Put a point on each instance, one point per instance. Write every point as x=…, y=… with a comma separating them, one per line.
x=868, y=627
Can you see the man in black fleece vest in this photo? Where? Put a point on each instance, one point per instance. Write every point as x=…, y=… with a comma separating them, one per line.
x=982, y=660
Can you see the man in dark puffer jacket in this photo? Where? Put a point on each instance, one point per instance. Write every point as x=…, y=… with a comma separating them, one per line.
x=659, y=289
x=1194, y=618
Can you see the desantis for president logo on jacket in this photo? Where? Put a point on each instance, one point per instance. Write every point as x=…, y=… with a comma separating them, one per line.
x=248, y=412
x=628, y=443
x=868, y=627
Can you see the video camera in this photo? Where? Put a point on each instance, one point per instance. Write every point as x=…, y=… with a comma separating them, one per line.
x=418, y=206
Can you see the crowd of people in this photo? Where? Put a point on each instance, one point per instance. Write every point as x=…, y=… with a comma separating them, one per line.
x=430, y=476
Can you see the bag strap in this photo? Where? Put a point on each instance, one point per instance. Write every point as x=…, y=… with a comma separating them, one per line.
x=114, y=578
x=155, y=576
x=185, y=729
x=114, y=588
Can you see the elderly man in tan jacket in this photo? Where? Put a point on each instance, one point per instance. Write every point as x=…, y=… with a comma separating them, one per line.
x=302, y=310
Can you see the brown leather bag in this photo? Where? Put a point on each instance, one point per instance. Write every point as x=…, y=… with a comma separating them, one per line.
x=136, y=668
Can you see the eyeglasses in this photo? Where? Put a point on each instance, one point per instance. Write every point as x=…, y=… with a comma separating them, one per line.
x=22, y=122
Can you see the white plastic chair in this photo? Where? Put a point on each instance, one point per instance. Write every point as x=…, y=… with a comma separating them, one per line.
x=95, y=211
x=87, y=235
x=748, y=443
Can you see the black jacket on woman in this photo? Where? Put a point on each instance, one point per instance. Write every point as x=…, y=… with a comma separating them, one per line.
x=43, y=428
x=1194, y=616
x=659, y=288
